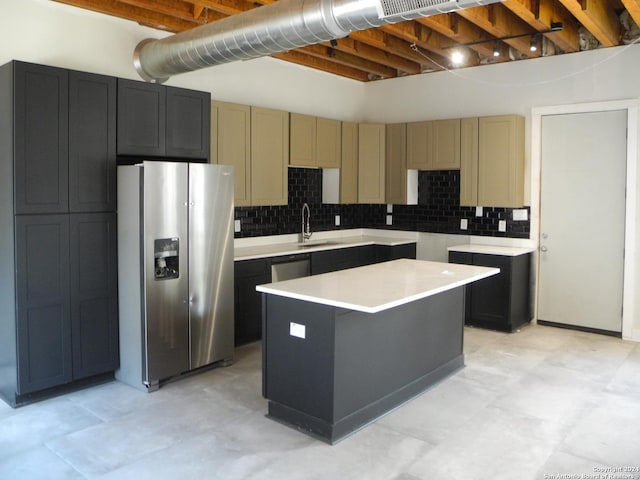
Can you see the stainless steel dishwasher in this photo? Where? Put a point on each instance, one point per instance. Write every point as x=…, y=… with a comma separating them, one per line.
x=290, y=266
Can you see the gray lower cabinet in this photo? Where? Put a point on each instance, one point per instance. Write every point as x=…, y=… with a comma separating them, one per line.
x=248, y=303
x=501, y=302
x=342, y=258
x=93, y=293
x=67, y=325
x=43, y=334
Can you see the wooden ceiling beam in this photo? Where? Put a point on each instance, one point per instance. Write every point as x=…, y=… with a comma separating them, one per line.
x=633, y=7
x=413, y=32
x=341, y=58
x=500, y=22
x=227, y=7
x=171, y=8
x=143, y=16
x=362, y=50
x=295, y=56
x=598, y=17
x=540, y=14
x=460, y=30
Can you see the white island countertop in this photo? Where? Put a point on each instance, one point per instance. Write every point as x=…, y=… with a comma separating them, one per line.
x=380, y=286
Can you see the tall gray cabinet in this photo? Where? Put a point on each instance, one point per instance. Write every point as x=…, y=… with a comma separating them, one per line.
x=58, y=291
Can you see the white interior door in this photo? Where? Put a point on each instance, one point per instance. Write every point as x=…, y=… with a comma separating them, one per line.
x=582, y=215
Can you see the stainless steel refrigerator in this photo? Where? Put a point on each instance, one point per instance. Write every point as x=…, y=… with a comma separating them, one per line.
x=175, y=269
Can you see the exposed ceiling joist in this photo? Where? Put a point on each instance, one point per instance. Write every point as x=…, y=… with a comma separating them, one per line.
x=598, y=17
x=387, y=51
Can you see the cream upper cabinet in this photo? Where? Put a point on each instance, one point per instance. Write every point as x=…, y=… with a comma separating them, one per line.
x=231, y=145
x=501, y=161
x=328, y=142
x=349, y=163
x=419, y=145
x=492, y=161
x=445, y=151
x=371, y=163
x=396, y=163
x=303, y=141
x=269, y=156
x=434, y=145
x=469, y=162
x=315, y=141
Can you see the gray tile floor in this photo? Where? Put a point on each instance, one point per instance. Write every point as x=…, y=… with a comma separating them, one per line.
x=536, y=404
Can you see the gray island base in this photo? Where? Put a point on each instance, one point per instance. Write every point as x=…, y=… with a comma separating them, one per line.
x=329, y=370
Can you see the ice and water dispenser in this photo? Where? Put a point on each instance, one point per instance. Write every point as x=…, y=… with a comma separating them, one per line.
x=167, y=259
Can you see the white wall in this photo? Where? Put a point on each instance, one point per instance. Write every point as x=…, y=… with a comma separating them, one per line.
x=43, y=31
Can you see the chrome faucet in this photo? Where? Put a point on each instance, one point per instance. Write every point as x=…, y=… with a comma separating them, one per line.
x=306, y=227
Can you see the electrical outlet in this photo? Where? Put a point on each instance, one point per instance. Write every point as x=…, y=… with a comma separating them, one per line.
x=389, y=219
x=236, y=226
x=389, y=207
x=502, y=225
x=520, y=215
x=478, y=211
x=337, y=220
x=464, y=223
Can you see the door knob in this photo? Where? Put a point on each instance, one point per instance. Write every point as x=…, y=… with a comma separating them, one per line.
x=543, y=248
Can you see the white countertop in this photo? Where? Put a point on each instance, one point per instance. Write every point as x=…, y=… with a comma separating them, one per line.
x=290, y=248
x=380, y=286
x=491, y=249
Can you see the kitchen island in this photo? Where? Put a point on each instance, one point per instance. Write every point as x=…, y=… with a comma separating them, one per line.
x=343, y=348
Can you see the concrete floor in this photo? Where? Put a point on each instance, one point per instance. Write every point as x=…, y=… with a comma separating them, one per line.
x=536, y=404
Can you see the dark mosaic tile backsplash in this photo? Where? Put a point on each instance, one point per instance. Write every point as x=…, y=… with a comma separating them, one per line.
x=438, y=210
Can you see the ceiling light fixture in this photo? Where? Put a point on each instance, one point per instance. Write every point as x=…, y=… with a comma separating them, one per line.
x=496, y=49
x=457, y=57
x=534, y=46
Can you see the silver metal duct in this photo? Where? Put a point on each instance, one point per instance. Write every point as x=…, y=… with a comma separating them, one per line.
x=277, y=27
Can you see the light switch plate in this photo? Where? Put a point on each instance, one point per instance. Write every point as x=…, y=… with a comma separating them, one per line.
x=337, y=220
x=502, y=225
x=389, y=207
x=389, y=219
x=236, y=226
x=464, y=223
x=478, y=211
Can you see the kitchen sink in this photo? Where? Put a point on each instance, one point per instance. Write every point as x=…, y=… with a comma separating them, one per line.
x=317, y=243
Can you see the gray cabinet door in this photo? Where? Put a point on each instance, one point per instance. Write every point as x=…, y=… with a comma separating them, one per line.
x=141, y=118
x=188, y=124
x=92, y=142
x=43, y=326
x=41, y=139
x=94, y=295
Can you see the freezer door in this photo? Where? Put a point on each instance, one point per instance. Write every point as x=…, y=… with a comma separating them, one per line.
x=166, y=252
x=211, y=263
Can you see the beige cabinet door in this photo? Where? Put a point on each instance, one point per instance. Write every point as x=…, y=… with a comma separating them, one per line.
x=396, y=164
x=303, y=141
x=269, y=156
x=233, y=146
x=445, y=151
x=328, y=142
x=501, y=161
x=371, y=163
x=469, y=162
x=419, y=145
x=349, y=163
